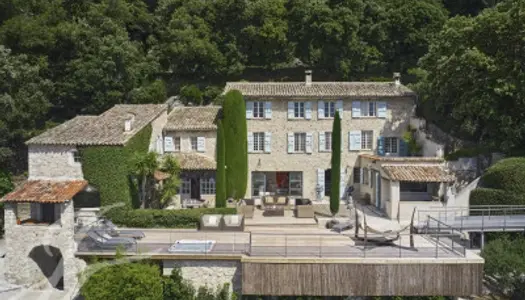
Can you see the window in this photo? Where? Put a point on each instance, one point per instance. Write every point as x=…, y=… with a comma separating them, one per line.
x=368, y=109
x=76, y=156
x=258, y=141
x=176, y=142
x=328, y=141
x=207, y=186
x=194, y=143
x=329, y=109
x=366, y=139
x=185, y=186
x=357, y=175
x=258, y=183
x=298, y=109
x=391, y=145
x=258, y=109
x=296, y=183
x=413, y=187
x=365, y=177
x=300, y=142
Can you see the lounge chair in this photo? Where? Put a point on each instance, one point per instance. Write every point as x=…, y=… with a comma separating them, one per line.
x=210, y=223
x=105, y=241
x=114, y=231
x=246, y=208
x=232, y=223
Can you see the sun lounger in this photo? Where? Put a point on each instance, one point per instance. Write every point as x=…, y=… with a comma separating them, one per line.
x=114, y=231
x=105, y=241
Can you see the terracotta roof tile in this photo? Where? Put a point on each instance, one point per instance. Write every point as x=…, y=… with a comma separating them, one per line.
x=326, y=89
x=193, y=118
x=105, y=129
x=418, y=173
x=195, y=161
x=46, y=191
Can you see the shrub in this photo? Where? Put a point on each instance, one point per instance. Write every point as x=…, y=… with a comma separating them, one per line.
x=108, y=169
x=486, y=196
x=1, y=220
x=236, y=135
x=220, y=191
x=158, y=218
x=191, y=94
x=124, y=281
x=335, y=165
x=508, y=174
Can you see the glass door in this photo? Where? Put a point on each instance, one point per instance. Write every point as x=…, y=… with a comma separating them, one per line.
x=258, y=183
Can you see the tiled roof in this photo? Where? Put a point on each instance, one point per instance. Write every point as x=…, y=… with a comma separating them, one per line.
x=105, y=129
x=418, y=173
x=320, y=89
x=432, y=159
x=193, y=118
x=46, y=191
x=195, y=161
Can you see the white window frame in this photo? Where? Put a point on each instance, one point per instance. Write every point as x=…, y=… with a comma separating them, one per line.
x=299, y=142
x=329, y=109
x=367, y=139
x=299, y=110
x=194, y=143
x=295, y=178
x=176, y=144
x=207, y=185
x=391, y=145
x=258, y=142
x=368, y=109
x=328, y=141
x=185, y=186
x=77, y=159
x=258, y=110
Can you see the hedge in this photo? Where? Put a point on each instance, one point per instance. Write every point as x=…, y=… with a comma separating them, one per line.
x=107, y=168
x=507, y=174
x=1, y=220
x=335, y=188
x=159, y=218
x=487, y=196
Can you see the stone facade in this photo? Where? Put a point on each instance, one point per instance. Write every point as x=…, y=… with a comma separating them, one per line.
x=210, y=273
x=22, y=266
x=157, y=126
x=53, y=162
x=399, y=112
x=210, y=141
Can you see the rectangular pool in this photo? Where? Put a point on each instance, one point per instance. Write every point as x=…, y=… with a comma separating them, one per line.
x=192, y=246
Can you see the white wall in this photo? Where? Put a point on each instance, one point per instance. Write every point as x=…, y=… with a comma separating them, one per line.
x=156, y=129
x=53, y=162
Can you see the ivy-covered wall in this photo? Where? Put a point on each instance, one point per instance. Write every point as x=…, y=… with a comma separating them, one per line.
x=108, y=169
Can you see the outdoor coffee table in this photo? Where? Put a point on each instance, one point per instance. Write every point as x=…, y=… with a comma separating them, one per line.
x=273, y=211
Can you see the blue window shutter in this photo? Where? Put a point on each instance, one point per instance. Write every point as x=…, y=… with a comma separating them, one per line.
x=356, y=109
x=339, y=107
x=354, y=140
x=381, y=146
x=320, y=110
x=403, y=148
x=381, y=109
x=308, y=110
x=268, y=110
x=290, y=110
x=249, y=109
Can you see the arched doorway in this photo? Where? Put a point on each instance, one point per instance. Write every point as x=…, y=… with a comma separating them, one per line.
x=49, y=260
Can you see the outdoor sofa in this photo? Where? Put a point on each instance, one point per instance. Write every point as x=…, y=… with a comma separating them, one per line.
x=210, y=223
x=232, y=223
x=303, y=208
x=246, y=208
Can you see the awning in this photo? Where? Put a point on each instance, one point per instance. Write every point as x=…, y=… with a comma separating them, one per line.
x=418, y=173
x=46, y=191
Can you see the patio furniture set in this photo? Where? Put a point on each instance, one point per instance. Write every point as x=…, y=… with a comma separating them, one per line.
x=275, y=206
x=221, y=223
x=106, y=235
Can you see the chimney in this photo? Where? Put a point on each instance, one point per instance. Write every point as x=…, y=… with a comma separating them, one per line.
x=129, y=122
x=397, y=78
x=308, y=77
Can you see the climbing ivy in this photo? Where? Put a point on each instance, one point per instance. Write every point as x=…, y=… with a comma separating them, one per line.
x=107, y=168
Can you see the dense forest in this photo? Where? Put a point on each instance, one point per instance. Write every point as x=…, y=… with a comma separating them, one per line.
x=60, y=58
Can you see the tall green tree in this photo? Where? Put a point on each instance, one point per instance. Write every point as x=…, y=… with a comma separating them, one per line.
x=335, y=188
x=220, y=177
x=236, y=137
x=471, y=78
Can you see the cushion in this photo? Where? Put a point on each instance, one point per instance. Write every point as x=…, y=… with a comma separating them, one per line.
x=281, y=200
x=234, y=219
x=212, y=220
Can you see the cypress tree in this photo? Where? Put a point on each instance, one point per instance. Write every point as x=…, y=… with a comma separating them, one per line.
x=220, y=176
x=336, y=165
x=236, y=140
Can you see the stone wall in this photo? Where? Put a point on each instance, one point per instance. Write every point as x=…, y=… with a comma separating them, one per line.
x=209, y=273
x=210, y=141
x=399, y=112
x=24, y=267
x=156, y=131
x=53, y=162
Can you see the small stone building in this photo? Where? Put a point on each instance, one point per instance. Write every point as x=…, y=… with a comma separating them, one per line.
x=39, y=234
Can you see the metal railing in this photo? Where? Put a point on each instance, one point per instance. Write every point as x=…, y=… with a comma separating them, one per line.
x=290, y=245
